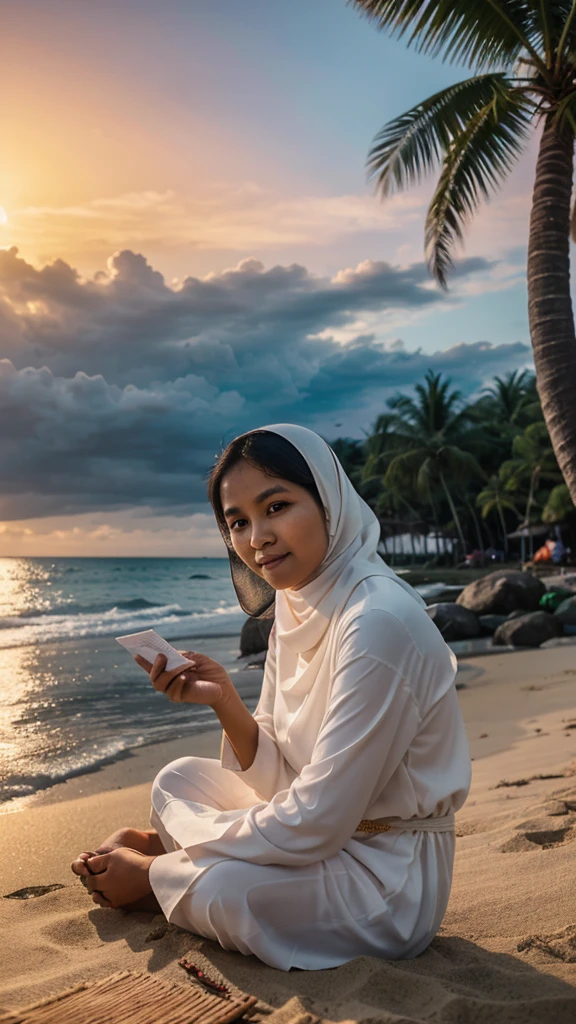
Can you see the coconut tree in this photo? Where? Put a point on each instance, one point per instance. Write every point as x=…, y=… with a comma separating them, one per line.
x=509, y=395
x=523, y=57
x=494, y=497
x=533, y=462
x=425, y=438
x=559, y=506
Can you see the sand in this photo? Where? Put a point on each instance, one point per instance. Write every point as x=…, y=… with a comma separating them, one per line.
x=506, y=951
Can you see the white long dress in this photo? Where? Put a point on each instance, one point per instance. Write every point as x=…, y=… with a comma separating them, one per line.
x=269, y=861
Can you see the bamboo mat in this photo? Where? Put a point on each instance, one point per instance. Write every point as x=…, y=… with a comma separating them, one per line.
x=130, y=997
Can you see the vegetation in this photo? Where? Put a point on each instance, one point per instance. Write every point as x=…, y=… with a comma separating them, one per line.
x=523, y=55
x=470, y=472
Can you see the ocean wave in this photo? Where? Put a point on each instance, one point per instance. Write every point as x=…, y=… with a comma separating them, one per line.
x=171, y=620
x=82, y=763
x=71, y=608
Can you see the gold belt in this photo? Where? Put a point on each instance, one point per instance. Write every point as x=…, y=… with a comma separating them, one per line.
x=440, y=823
x=366, y=825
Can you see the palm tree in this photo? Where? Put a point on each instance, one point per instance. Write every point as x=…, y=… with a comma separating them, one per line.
x=426, y=434
x=533, y=461
x=494, y=497
x=509, y=395
x=559, y=506
x=523, y=54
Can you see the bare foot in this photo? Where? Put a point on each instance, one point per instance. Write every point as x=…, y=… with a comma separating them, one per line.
x=118, y=879
x=147, y=842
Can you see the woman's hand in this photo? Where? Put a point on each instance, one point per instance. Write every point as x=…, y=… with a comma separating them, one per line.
x=205, y=682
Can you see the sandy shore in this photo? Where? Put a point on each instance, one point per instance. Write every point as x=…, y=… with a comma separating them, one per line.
x=506, y=952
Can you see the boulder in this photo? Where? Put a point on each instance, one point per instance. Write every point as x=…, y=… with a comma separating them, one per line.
x=454, y=622
x=516, y=614
x=502, y=592
x=489, y=623
x=529, y=630
x=566, y=611
x=255, y=634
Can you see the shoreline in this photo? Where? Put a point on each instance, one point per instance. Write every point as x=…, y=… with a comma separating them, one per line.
x=87, y=653
x=131, y=765
x=483, y=685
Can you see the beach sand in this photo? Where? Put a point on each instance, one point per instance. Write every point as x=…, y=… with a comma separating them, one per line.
x=506, y=952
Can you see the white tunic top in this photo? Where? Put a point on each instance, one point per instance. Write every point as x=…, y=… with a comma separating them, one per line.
x=268, y=860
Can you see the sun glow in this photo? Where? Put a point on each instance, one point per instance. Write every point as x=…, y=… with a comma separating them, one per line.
x=3, y=216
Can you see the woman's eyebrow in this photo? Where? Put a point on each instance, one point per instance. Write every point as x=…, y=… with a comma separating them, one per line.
x=277, y=489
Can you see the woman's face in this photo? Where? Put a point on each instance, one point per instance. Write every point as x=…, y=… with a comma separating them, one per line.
x=265, y=525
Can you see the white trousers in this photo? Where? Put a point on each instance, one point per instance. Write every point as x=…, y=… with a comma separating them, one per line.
x=386, y=901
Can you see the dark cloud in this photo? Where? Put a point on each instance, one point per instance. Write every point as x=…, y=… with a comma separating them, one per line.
x=119, y=391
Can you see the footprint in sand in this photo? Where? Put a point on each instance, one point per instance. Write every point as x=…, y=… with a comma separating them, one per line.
x=31, y=891
x=533, y=839
x=560, y=945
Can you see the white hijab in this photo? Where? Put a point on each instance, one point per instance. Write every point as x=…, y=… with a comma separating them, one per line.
x=306, y=618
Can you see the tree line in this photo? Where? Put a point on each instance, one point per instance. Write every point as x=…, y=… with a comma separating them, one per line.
x=470, y=472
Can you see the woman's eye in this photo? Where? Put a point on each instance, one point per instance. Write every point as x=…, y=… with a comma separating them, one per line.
x=275, y=504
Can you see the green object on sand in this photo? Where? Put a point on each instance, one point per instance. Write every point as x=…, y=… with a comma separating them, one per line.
x=554, y=597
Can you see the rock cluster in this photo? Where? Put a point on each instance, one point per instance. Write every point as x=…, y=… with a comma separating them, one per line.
x=505, y=604
x=508, y=605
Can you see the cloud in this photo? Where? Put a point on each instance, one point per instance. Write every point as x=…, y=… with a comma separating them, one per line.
x=224, y=217
x=130, y=533
x=118, y=391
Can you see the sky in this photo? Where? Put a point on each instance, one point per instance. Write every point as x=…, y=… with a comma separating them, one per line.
x=189, y=249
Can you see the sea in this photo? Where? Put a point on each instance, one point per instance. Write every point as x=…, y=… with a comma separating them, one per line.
x=73, y=698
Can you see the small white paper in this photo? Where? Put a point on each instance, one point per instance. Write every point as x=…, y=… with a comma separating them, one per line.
x=148, y=644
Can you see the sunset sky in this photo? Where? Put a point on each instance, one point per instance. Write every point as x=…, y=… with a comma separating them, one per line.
x=189, y=249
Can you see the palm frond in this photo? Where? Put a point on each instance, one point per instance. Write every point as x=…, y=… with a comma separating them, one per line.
x=413, y=144
x=475, y=165
x=476, y=32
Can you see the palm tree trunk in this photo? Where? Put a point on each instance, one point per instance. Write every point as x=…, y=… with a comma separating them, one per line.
x=454, y=513
x=479, y=537
x=503, y=525
x=549, y=302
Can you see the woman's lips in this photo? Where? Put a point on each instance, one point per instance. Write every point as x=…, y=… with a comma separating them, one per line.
x=269, y=566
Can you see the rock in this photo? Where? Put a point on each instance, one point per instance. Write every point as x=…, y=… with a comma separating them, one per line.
x=489, y=623
x=529, y=630
x=566, y=611
x=199, y=576
x=516, y=614
x=454, y=622
x=255, y=634
x=561, y=641
x=501, y=592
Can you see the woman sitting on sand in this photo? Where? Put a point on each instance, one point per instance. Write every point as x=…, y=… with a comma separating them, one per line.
x=326, y=829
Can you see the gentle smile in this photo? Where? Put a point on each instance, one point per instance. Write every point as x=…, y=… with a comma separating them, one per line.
x=274, y=562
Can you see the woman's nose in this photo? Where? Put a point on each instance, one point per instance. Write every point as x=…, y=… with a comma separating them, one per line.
x=261, y=532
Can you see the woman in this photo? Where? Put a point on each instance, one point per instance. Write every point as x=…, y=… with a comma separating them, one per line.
x=326, y=831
